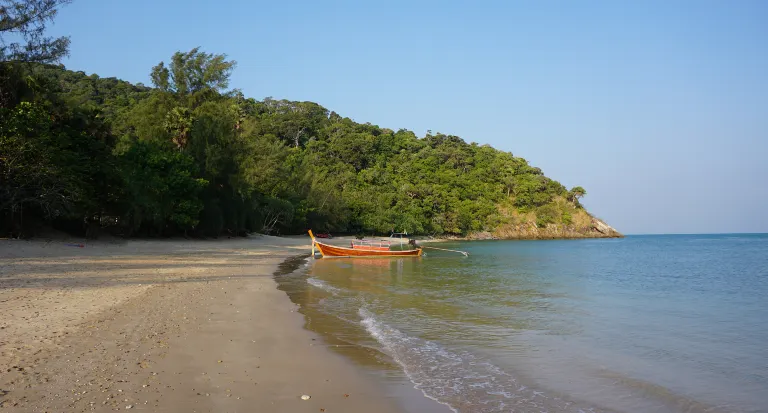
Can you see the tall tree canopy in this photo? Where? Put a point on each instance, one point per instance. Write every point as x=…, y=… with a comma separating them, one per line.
x=190, y=157
x=22, y=31
x=193, y=72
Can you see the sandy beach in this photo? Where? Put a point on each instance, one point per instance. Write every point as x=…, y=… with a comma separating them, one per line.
x=167, y=325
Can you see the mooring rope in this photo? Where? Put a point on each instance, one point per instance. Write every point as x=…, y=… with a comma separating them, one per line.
x=466, y=254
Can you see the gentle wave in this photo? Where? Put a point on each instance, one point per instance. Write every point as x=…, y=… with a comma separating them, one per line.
x=459, y=380
x=315, y=282
x=655, y=323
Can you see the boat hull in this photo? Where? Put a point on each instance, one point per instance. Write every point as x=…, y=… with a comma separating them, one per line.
x=367, y=248
x=334, y=251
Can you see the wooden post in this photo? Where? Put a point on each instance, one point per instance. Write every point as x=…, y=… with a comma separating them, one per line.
x=311, y=235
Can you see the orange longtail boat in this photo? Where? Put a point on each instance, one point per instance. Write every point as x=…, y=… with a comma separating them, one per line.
x=361, y=250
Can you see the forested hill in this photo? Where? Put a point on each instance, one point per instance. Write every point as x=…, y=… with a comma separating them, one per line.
x=189, y=156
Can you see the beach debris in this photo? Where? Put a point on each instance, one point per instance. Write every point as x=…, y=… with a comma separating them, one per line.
x=346, y=395
x=322, y=410
x=305, y=397
x=130, y=406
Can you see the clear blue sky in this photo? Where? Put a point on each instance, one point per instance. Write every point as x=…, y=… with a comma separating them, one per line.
x=658, y=108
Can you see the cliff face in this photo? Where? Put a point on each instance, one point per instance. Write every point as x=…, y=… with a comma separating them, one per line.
x=582, y=225
x=598, y=229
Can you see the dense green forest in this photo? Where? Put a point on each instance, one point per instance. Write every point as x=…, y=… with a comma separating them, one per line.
x=190, y=156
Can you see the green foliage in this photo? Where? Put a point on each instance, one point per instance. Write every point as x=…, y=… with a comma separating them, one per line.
x=161, y=189
x=178, y=122
x=575, y=194
x=31, y=167
x=25, y=20
x=188, y=156
x=275, y=212
x=547, y=214
x=193, y=76
x=52, y=165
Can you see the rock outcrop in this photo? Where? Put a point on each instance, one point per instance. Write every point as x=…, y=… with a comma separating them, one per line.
x=605, y=229
x=588, y=228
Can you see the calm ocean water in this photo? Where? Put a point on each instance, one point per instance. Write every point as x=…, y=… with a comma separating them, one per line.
x=674, y=323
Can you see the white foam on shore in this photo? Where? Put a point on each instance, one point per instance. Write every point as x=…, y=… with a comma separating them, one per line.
x=393, y=340
x=316, y=282
x=459, y=380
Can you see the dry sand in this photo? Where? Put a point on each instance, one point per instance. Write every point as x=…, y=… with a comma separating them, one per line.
x=193, y=326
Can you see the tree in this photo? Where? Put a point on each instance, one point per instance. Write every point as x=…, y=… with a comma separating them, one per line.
x=22, y=40
x=178, y=122
x=193, y=73
x=189, y=155
x=575, y=194
x=54, y=164
x=161, y=189
x=26, y=20
x=29, y=174
x=275, y=211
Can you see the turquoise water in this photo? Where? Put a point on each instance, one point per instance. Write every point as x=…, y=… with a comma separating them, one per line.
x=642, y=324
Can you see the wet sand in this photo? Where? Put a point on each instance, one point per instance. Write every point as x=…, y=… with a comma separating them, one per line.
x=165, y=326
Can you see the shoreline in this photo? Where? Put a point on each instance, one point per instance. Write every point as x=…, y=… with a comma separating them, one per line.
x=410, y=398
x=525, y=234
x=165, y=326
x=390, y=374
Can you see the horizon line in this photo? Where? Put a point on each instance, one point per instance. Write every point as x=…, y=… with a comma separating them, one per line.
x=697, y=233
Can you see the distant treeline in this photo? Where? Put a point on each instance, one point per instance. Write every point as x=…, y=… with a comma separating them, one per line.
x=189, y=156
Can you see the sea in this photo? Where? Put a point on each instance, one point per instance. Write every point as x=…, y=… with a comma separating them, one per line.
x=657, y=323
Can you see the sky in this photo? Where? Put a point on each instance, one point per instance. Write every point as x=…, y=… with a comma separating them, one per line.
x=659, y=109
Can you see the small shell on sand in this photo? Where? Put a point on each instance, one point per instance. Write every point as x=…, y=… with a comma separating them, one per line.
x=305, y=397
